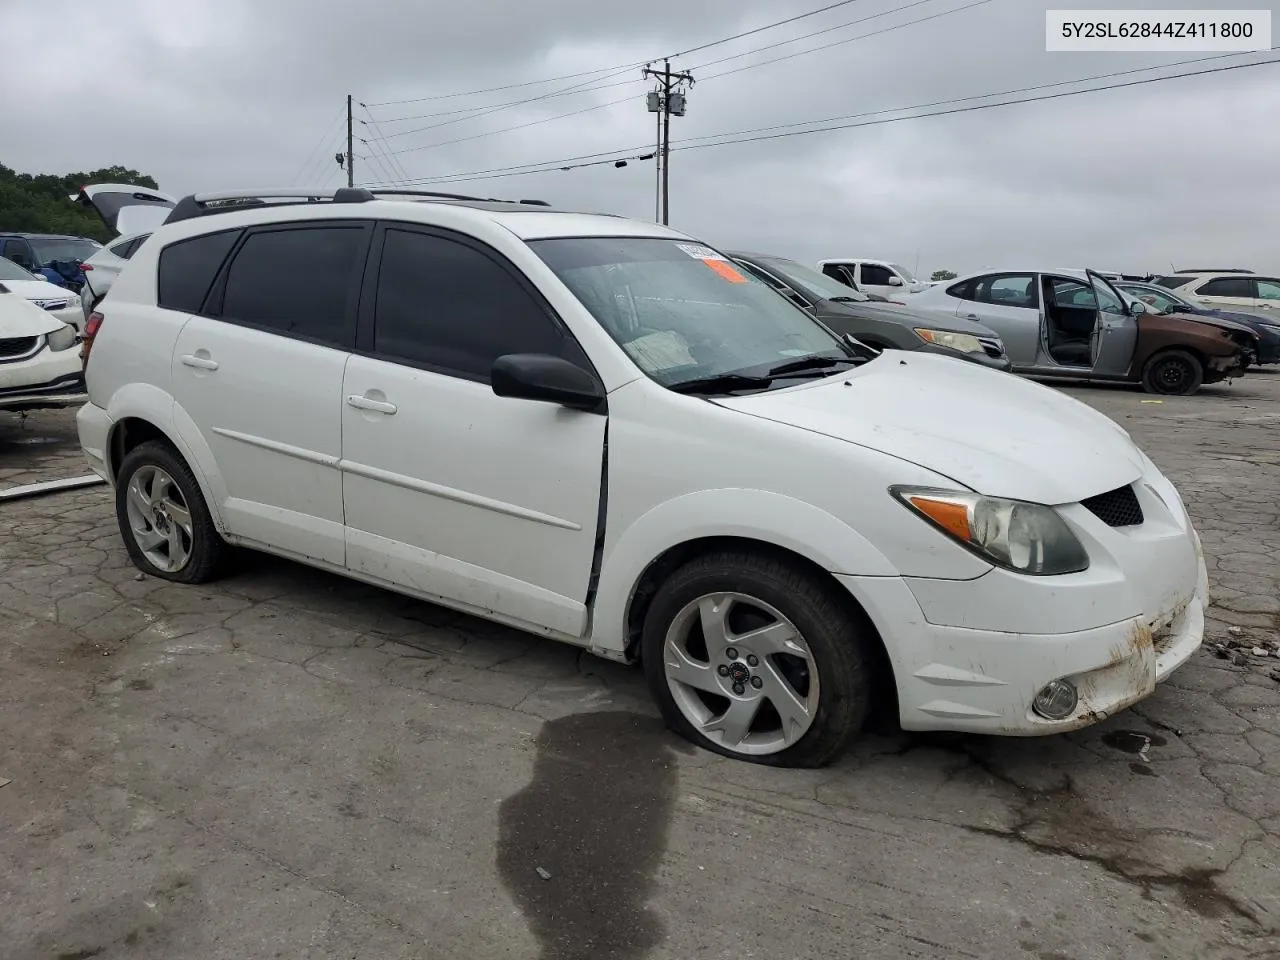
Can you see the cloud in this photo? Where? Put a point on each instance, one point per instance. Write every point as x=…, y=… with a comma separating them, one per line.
x=205, y=95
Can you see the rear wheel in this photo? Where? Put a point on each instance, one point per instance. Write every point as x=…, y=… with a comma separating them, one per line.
x=754, y=658
x=1173, y=373
x=166, y=526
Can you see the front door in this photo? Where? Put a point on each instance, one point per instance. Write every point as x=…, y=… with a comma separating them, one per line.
x=486, y=503
x=1115, y=333
x=261, y=380
x=874, y=278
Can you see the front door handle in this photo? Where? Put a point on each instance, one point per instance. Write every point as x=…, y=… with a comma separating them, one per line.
x=367, y=403
x=200, y=363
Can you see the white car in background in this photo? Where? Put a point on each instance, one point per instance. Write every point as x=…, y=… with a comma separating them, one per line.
x=873, y=276
x=57, y=301
x=1240, y=291
x=38, y=367
x=101, y=270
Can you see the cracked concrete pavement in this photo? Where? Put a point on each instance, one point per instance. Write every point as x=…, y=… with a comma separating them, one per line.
x=288, y=764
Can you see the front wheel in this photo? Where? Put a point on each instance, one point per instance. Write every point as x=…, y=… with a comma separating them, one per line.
x=166, y=526
x=754, y=658
x=1173, y=373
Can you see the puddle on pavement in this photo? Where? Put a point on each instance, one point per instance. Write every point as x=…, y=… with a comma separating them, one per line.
x=579, y=846
x=33, y=441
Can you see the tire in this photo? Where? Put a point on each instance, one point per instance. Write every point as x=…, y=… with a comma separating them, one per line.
x=1174, y=373
x=826, y=685
x=164, y=482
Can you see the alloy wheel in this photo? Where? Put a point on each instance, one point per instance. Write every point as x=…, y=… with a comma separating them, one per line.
x=159, y=519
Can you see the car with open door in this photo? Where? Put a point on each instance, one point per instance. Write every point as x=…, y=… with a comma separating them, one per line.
x=878, y=325
x=1075, y=324
x=132, y=213
x=882, y=277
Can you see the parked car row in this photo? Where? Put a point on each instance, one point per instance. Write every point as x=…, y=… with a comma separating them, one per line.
x=609, y=433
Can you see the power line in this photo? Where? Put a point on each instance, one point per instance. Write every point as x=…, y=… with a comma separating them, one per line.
x=509, y=103
x=750, y=66
x=620, y=66
x=570, y=163
x=311, y=157
x=861, y=36
x=380, y=138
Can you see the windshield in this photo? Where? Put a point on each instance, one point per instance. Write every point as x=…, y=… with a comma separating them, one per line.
x=11, y=271
x=1164, y=301
x=681, y=311
x=904, y=273
x=49, y=250
x=807, y=280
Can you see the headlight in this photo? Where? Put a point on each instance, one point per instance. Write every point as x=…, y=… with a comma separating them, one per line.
x=962, y=342
x=63, y=339
x=1024, y=537
x=73, y=302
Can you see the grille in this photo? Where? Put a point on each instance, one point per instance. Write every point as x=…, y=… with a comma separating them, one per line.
x=51, y=304
x=15, y=347
x=992, y=347
x=1117, y=508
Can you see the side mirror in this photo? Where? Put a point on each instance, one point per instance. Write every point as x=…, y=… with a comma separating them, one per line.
x=1138, y=307
x=540, y=376
x=895, y=281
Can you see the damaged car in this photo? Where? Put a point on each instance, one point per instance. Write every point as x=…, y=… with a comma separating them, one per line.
x=1075, y=324
x=38, y=367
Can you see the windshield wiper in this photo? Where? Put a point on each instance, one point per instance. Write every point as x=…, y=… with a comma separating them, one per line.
x=720, y=383
x=808, y=363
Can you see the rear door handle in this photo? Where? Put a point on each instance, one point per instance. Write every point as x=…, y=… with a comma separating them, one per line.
x=365, y=403
x=200, y=363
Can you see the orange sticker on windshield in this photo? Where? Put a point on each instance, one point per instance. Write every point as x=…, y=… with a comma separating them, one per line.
x=726, y=270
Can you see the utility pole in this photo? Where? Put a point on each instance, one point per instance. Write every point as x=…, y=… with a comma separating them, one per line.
x=351, y=162
x=667, y=100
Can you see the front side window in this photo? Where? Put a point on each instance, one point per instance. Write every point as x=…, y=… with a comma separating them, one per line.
x=681, y=311
x=810, y=282
x=301, y=282
x=1226, y=287
x=448, y=305
x=1268, y=289
x=875, y=275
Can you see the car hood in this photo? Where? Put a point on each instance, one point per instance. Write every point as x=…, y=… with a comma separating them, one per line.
x=992, y=432
x=1222, y=322
x=905, y=316
x=21, y=318
x=38, y=290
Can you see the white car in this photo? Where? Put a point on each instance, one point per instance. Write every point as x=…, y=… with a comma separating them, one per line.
x=57, y=301
x=602, y=431
x=38, y=367
x=101, y=270
x=873, y=276
x=1239, y=291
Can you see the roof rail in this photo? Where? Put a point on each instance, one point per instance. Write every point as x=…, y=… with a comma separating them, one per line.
x=1217, y=270
x=203, y=204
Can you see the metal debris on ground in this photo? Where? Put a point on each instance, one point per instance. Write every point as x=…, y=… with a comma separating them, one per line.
x=4, y=782
x=50, y=486
x=1259, y=652
x=543, y=873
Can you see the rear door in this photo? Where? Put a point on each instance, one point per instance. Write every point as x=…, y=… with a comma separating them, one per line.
x=258, y=375
x=1008, y=303
x=1267, y=304
x=124, y=208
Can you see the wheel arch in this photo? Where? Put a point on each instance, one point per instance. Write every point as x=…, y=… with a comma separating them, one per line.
x=147, y=414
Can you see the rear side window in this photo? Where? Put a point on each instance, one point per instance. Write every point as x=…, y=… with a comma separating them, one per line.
x=448, y=305
x=1174, y=282
x=188, y=268
x=123, y=250
x=1227, y=287
x=302, y=282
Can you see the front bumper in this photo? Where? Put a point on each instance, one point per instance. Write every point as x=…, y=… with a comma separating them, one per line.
x=50, y=378
x=971, y=655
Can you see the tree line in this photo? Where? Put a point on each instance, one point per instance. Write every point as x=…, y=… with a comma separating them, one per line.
x=37, y=202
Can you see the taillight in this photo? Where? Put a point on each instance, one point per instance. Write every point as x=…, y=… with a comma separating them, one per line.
x=91, y=328
x=86, y=267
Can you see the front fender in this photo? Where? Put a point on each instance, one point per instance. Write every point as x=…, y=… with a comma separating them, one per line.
x=750, y=514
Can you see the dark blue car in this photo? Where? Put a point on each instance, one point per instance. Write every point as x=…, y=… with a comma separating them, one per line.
x=53, y=257
x=1164, y=300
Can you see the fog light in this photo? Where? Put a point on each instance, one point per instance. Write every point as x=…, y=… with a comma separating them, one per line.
x=1057, y=700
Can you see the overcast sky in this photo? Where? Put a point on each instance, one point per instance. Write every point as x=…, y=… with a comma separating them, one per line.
x=206, y=95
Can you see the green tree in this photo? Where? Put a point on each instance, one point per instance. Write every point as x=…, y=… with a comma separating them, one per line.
x=38, y=203
x=943, y=275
